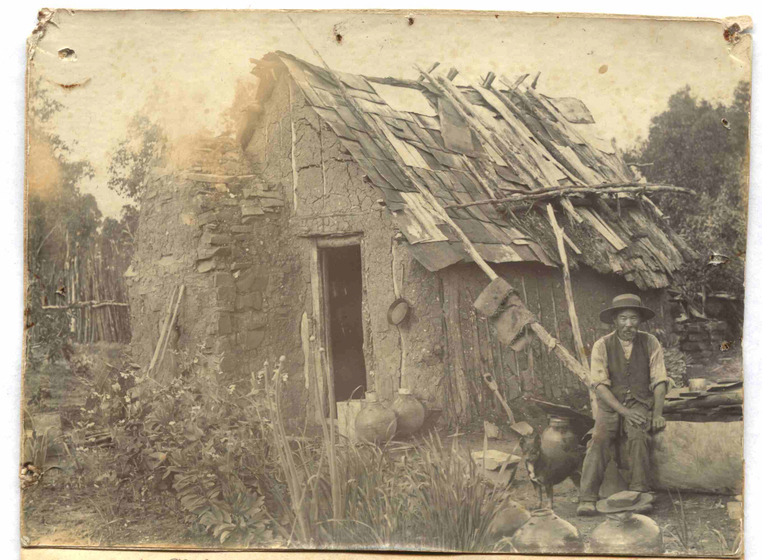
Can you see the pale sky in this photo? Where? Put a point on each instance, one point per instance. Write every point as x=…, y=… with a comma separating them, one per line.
x=181, y=68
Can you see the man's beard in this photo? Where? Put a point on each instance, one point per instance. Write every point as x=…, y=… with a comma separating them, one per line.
x=627, y=334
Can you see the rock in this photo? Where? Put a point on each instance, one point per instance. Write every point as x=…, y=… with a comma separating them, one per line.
x=242, y=229
x=206, y=218
x=251, y=300
x=271, y=202
x=508, y=520
x=735, y=510
x=205, y=265
x=251, y=209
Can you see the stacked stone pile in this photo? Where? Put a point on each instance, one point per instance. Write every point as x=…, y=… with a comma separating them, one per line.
x=226, y=214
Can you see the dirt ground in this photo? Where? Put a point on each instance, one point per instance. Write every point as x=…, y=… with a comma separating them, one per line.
x=62, y=512
x=70, y=508
x=703, y=512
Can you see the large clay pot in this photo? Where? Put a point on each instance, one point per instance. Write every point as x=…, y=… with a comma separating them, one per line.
x=627, y=533
x=545, y=532
x=511, y=517
x=560, y=445
x=375, y=423
x=410, y=413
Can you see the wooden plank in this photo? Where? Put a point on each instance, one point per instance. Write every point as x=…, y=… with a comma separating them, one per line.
x=435, y=255
x=607, y=234
x=555, y=324
x=709, y=401
x=480, y=363
x=485, y=346
x=455, y=344
x=319, y=331
x=509, y=111
x=484, y=129
x=528, y=349
x=172, y=322
x=578, y=342
x=470, y=350
x=162, y=334
x=90, y=304
x=571, y=130
x=605, y=224
x=339, y=241
x=408, y=153
x=543, y=159
x=544, y=371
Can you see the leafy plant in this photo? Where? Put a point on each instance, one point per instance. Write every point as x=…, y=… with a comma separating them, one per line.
x=229, y=513
x=204, y=442
x=452, y=500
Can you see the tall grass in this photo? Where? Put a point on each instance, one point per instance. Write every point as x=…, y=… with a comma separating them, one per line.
x=452, y=501
x=344, y=495
x=680, y=531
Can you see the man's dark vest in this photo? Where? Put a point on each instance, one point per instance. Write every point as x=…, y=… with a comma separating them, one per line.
x=630, y=379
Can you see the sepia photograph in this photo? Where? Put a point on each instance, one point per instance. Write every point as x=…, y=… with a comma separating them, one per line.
x=453, y=282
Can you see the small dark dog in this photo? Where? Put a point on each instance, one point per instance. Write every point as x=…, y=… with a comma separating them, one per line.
x=546, y=472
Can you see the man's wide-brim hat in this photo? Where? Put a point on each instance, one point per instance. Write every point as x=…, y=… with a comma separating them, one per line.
x=626, y=301
x=625, y=501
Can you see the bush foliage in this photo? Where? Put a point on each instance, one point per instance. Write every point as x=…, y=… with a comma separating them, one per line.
x=703, y=146
x=220, y=454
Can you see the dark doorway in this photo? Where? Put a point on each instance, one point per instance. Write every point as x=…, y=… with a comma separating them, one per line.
x=342, y=274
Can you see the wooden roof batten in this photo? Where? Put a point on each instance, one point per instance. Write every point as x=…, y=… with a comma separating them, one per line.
x=525, y=153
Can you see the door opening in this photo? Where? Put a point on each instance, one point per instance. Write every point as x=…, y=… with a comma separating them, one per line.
x=342, y=276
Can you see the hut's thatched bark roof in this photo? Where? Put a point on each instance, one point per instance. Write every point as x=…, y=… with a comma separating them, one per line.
x=479, y=142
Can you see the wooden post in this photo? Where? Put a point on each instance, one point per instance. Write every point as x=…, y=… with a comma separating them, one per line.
x=319, y=330
x=457, y=359
x=162, y=334
x=528, y=349
x=581, y=354
x=171, y=325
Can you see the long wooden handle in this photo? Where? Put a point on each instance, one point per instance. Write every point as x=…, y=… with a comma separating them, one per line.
x=489, y=380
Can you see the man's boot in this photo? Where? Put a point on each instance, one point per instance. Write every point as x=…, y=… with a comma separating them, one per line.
x=586, y=509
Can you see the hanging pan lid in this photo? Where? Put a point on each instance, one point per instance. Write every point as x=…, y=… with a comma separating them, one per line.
x=397, y=311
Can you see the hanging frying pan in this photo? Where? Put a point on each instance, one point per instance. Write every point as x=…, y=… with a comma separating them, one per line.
x=397, y=311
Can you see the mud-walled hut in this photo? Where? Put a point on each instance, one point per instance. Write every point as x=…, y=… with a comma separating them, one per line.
x=309, y=231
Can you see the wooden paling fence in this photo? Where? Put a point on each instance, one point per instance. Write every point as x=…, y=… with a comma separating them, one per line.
x=94, y=296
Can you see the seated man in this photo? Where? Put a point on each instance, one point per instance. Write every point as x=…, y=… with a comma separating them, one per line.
x=630, y=380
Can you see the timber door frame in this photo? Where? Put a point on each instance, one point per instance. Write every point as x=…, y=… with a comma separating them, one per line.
x=320, y=311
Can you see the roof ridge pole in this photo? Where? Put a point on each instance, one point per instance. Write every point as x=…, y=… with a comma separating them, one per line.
x=558, y=191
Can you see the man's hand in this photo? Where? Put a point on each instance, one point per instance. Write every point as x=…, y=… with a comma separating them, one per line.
x=635, y=417
x=658, y=423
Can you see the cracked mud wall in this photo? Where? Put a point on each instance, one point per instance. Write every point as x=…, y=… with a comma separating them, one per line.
x=326, y=198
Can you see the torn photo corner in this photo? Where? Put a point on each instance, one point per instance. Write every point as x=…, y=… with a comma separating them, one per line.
x=223, y=209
